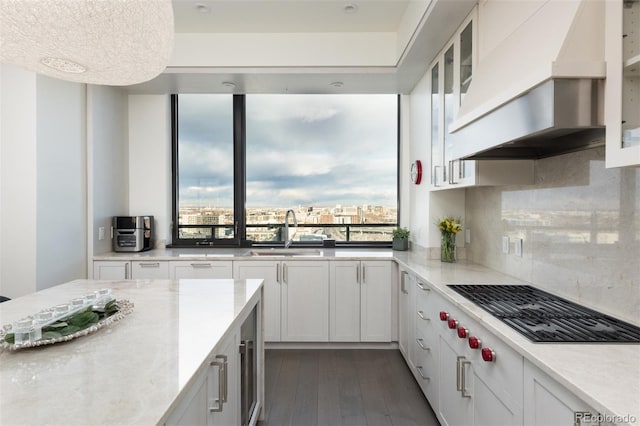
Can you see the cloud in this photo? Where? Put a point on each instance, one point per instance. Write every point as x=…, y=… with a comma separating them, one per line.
x=317, y=150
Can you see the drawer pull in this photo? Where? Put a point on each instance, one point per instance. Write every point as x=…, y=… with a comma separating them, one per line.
x=201, y=265
x=421, y=315
x=421, y=373
x=150, y=265
x=420, y=343
x=422, y=287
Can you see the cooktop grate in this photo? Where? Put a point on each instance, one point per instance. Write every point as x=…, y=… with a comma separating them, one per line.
x=545, y=318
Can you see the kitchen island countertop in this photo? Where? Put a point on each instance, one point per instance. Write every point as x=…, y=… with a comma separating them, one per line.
x=130, y=372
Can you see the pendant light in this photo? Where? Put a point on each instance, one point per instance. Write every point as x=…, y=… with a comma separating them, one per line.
x=109, y=42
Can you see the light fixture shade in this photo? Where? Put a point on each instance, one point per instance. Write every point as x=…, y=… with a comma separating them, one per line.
x=110, y=42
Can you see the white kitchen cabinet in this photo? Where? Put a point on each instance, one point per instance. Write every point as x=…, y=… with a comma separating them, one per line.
x=360, y=301
x=200, y=269
x=149, y=269
x=270, y=272
x=111, y=270
x=451, y=74
x=547, y=403
x=214, y=396
x=622, y=91
x=344, y=303
x=471, y=390
x=305, y=301
x=424, y=348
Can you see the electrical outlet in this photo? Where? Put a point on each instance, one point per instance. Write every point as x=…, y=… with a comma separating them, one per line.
x=467, y=236
x=101, y=233
x=505, y=245
x=518, y=247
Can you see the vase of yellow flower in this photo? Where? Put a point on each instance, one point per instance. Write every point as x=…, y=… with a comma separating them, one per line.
x=449, y=227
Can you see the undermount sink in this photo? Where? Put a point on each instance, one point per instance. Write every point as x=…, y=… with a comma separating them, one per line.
x=285, y=252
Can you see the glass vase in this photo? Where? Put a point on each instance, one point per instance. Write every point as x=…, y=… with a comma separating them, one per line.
x=448, y=247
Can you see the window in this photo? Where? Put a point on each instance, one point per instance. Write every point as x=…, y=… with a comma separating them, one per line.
x=332, y=159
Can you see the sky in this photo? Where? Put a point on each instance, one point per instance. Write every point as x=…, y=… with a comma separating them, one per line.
x=311, y=150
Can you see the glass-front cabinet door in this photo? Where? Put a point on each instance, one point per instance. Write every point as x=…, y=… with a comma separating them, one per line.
x=622, y=93
x=451, y=75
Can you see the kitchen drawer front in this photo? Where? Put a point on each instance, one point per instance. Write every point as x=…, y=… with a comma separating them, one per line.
x=201, y=269
x=149, y=270
x=426, y=364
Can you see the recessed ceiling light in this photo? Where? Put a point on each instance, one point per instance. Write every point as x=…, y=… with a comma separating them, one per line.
x=202, y=8
x=337, y=84
x=229, y=84
x=350, y=8
x=64, y=65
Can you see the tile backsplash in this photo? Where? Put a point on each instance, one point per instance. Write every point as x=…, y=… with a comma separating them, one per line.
x=580, y=226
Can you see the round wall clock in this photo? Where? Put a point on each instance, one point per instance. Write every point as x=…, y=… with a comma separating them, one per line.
x=416, y=172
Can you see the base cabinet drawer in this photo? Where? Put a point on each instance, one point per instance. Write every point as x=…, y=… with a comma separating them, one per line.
x=200, y=269
x=149, y=270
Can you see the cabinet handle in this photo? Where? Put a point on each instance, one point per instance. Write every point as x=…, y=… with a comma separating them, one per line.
x=284, y=273
x=278, y=273
x=422, y=287
x=421, y=315
x=364, y=280
x=461, y=169
x=421, y=373
x=221, y=363
x=402, y=282
x=421, y=344
x=435, y=175
x=200, y=265
x=149, y=265
x=358, y=275
x=463, y=379
x=127, y=271
x=458, y=376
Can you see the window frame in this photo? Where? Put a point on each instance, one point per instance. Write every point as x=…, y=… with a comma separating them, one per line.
x=239, y=190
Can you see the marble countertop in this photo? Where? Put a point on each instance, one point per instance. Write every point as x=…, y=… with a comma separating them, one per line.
x=605, y=376
x=244, y=254
x=130, y=372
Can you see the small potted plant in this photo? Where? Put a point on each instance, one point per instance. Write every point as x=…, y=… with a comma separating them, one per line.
x=401, y=239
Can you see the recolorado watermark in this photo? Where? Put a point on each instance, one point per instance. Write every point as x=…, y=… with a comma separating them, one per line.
x=586, y=417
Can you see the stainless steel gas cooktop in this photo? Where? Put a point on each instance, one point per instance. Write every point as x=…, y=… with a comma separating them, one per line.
x=545, y=318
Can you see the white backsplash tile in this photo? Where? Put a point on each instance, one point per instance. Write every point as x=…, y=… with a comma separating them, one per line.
x=580, y=225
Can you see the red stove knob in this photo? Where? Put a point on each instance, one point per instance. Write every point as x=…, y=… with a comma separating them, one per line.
x=444, y=316
x=462, y=332
x=474, y=342
x=488, y=355
x=453, y=323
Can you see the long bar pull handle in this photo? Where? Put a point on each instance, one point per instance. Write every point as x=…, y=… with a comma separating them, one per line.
x=364, y=279
x=403, y=287
x=463, y=379
x=458, y=376
x=435, y=175
x=221, y=363
x=284, y=273
x=200, y=265
x=278, y=273
x=127, y=271
x=421, y=373
x=150, y=265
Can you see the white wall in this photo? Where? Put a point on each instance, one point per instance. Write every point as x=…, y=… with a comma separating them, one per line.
x=42, y=182
x=150, y=161
x=61, y=238
x=108, y=157
x=18, y=181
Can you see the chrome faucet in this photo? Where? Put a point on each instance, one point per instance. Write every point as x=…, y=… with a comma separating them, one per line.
x=287, y=241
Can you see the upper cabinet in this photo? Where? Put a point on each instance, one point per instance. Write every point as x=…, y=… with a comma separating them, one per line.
x=451, y=74
x=622, y=94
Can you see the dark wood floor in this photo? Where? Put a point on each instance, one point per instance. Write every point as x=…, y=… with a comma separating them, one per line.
x=329, y=387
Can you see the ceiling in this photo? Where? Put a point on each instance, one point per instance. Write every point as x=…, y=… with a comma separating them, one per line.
x=431, y=28
x=250, y=16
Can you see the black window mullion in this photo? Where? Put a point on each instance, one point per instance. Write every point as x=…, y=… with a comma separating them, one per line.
x=239, y=167
x=175, y=230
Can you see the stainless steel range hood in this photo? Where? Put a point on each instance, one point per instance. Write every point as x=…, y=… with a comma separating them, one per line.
x=558, y=116
x=540, y=91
